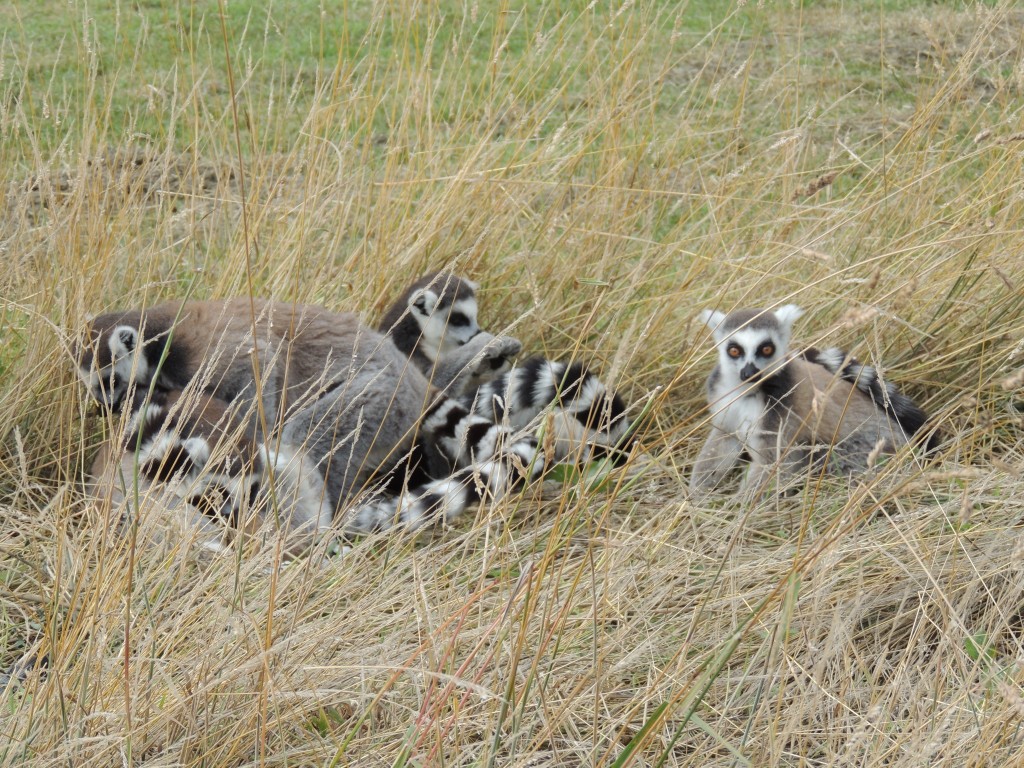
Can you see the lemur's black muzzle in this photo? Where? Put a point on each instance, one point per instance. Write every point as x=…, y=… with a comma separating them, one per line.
x=749, y=371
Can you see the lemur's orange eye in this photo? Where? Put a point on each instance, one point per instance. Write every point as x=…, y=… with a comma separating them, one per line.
x=734, y=351
x=767, y=350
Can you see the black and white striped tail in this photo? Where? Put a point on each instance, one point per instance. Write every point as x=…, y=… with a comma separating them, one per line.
x=447, y=498
x=586, y=415
x=462, y=436
x=487, y=458
x=175, y=435
x=883, y=394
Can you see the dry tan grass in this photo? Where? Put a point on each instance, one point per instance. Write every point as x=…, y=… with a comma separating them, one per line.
x=603, y=184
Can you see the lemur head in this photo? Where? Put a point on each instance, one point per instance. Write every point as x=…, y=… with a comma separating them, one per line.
x=115, y=354
x=436, y=314
x=752, y=343
x=107, y=359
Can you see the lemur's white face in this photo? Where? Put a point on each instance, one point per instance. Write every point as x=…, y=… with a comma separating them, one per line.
x=745, y=354
x=751, y=343
x=444, y=327
x=110, y=363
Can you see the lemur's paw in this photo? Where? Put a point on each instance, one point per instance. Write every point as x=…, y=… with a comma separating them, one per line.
x=495, y=357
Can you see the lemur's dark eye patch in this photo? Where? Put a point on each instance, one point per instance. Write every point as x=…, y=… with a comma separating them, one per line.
x=458, y=320
x=767, y=349
x=734, y=351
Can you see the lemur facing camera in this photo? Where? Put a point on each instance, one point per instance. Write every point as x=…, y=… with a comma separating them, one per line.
x=339, y=428
x=793, y=413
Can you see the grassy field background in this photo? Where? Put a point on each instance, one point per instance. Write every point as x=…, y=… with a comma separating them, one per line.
x=605, y=170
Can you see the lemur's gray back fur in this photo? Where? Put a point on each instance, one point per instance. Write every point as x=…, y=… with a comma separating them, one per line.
x=883, y=394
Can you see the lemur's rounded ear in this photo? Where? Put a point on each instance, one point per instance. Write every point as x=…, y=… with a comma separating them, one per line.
x=712, y=318
x=788, y=314
x=123, y=340
x=423, y=301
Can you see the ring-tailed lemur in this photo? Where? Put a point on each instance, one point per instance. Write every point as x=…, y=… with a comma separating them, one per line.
x=335, y=395
x=204, y=343
x=789, y=412
x=435, y=318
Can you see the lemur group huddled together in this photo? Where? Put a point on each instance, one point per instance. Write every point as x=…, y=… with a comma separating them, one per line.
x=244, y=411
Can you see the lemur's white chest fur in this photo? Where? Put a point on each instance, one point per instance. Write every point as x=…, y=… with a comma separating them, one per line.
x=739, y=414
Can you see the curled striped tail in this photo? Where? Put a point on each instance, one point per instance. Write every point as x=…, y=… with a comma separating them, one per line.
x=884, y=394
x=586, y=415
x=190, y=454
x=479, y=436
x=446, y=498
x=485, y=456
